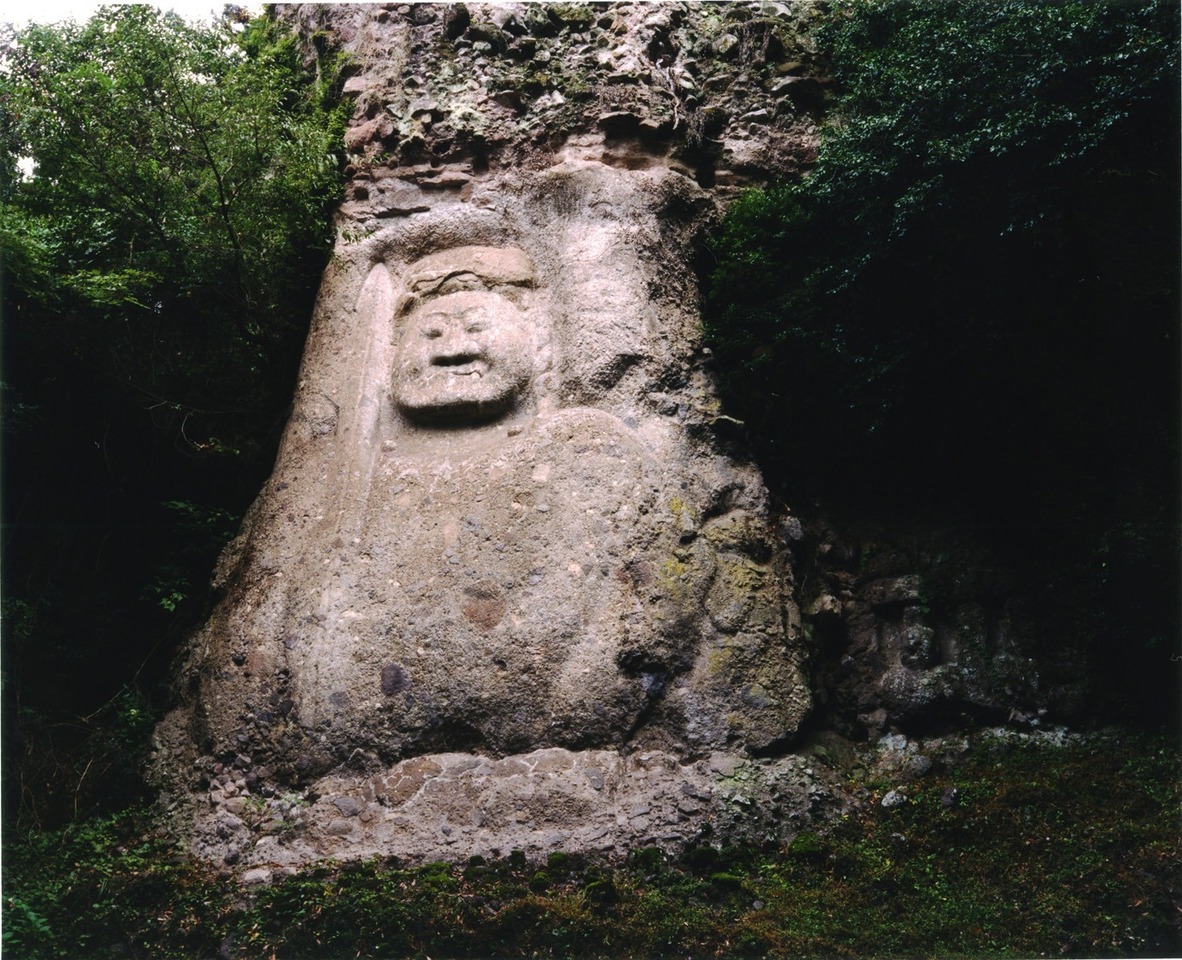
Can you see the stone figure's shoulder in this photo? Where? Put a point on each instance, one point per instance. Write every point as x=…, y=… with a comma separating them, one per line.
x=581, y=425
x=591, y=454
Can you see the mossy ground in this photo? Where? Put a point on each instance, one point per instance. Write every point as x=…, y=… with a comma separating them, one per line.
x=1052, y=851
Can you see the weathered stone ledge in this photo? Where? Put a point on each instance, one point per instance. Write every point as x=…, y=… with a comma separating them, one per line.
x=452, y=806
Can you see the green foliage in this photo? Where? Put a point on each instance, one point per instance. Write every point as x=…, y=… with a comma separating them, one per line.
x=205, y=530
x=64, y=765
x=159, y=266
x=1050, y=850
x=96, y=886
x=180, y=183
x=993, y=191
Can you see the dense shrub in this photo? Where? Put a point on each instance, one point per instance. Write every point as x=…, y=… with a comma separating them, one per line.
x=984, y=263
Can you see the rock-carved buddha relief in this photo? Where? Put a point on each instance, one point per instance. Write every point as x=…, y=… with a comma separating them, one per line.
x=459, y=551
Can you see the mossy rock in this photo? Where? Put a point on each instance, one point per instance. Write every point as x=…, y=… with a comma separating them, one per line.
x=726, y=881
x=808, y=847
x=559, y=862
x=572, y=16
x=646, y=859
x=601, y=892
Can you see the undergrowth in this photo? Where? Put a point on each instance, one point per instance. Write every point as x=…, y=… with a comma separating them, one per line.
x=1019, y=851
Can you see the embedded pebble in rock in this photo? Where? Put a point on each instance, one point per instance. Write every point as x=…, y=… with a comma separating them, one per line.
x=348, y=806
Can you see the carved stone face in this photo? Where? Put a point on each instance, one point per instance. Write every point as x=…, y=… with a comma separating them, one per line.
x=464, y=357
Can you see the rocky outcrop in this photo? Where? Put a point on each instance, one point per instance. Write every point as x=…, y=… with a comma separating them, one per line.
x=499, y=519
x=509, y=581
x=924, y=629
x=456, y=805
x=446, y=95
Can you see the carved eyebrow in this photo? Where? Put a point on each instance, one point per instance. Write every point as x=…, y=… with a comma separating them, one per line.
x=439, y=316
x=460, y=279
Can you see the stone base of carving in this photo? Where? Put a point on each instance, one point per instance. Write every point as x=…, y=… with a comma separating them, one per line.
x=453, y=806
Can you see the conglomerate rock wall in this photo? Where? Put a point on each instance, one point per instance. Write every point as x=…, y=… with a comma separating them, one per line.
x=446, y=95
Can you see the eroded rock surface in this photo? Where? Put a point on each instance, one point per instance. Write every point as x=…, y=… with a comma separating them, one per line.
x=444, y=93
x=456, y=550
x=922, y=630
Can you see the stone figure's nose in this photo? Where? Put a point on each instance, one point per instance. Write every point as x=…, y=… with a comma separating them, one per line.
x=455, y=348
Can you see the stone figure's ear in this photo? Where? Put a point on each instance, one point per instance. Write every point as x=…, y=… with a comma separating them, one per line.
x=364, y=380
x=378, y=297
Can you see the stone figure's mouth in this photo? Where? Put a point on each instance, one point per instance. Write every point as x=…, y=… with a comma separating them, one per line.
x=460, y=365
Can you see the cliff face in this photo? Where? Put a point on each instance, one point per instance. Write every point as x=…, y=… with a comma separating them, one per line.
x=507, y=585
x=510, y=584
x=449, y=95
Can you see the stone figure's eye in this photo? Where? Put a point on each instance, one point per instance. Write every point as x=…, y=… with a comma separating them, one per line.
x=478, y=326
x=432, y=333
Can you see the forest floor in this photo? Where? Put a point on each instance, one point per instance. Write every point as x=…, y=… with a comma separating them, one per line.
x=1022, y=848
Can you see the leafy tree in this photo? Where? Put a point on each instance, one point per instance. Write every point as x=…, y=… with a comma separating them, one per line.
x=969, y=308
x=181, y=181
x=164, y=218
x=990, y=169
